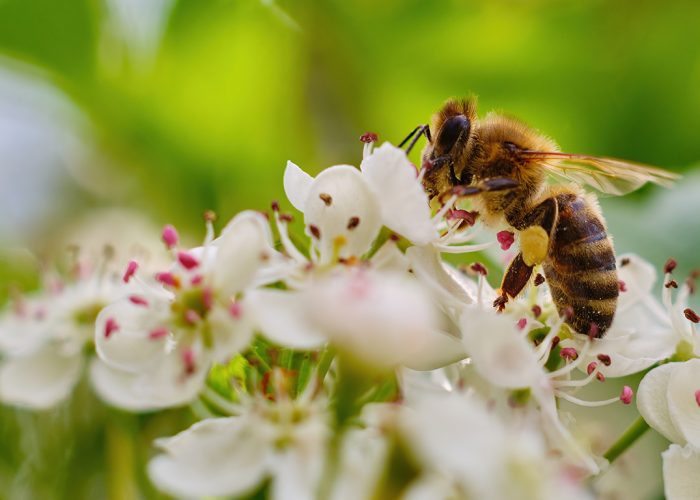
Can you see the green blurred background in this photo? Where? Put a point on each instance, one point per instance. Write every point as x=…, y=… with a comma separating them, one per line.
x=174, y=107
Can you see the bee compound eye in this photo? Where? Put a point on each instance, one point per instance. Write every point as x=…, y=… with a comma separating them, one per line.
x=452, y=129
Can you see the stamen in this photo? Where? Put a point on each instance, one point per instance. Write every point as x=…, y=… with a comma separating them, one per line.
x=605, y=359
x=624, y=261
x=522, y=323
x=369, y=137
x=111, y=326
x=469, y=218
x=622, y=286
x=187, y=260
x=670, y=265
x=626, y=395
x=326, y=198
x=286, y=218
x=209, y=218
x=138, y=300
x=539, y=279
x=569, y=367
x=568, y=353
x=235, y=310
x=671, y=284
x=463, y=248
x=287, y=244
x=444, y=209
x=690, y=315
x=593, y=331
x=158, y=333
x=315, y=231
x=536, y=311
x=208, y=298
x=697, y=397
x=593, y=367
x=580, y=382
x=168, y=279
x=131, y=268
x=506, y=239
x=353, y=223
x=479, y=268
x=192, y=317
x=275, y=206
x=170, y=236
x=188, y=361
x=581, y=402
x=197, y=279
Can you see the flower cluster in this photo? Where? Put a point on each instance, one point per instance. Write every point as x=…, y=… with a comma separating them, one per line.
x=352, y=361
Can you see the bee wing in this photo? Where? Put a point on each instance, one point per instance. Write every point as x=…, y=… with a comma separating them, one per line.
x=607, y=175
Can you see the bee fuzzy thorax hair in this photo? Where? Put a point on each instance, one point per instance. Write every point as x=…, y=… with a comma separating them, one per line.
x=454, y=107
x=497, y=128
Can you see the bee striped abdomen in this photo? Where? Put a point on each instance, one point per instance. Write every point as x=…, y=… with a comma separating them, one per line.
x=580, y=266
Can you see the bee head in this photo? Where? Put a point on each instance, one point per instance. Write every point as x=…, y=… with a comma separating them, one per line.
x=444, y=157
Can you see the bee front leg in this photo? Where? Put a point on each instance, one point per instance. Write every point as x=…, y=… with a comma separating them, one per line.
x=515, y=279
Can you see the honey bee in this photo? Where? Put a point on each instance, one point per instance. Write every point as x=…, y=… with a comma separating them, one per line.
x=506, y=166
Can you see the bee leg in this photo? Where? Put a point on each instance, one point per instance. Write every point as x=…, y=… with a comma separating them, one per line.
x=515, y=279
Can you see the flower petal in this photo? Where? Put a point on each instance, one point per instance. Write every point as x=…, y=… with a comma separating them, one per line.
x=165, y=385
x=129, y=346
x=500, y=354
x=39, y=380
x=653, y=405
x=638, y=274
x=380, y=319
x=344, y=212
x=280, y=316
x=243, y=247
x=214, y=457
x=440, y=349
x=683, y=383
x=296, y=185
x=403, y=202
x=681, y=468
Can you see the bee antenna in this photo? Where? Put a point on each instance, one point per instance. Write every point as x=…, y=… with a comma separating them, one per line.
x=415, y=134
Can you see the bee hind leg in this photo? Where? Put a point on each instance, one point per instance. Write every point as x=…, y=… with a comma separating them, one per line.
x=515, y=279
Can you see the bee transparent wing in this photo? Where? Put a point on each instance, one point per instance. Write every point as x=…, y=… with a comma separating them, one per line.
x=607, y=175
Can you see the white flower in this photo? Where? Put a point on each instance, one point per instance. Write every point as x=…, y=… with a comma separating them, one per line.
x=282, y=439
x=160, y=341
x=344, y=208
x=669, y=401
x=465, y=448
x=44, y=340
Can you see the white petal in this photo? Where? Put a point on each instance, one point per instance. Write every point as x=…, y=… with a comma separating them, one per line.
x=390, y=258
x=231, y=334
x=214, y=457
x=499, y=352
x=403, y=202
x=129, y=347
x=243, y=247
x=350, y=197
x=681, y=472
x=296, y=185
x=427, y=265
x=39, y=380
x=280, y=316
x=638, y=274
x=379, y=318
x=683, y=382
x=440, y=349
x=165, y=385
x=652, y=402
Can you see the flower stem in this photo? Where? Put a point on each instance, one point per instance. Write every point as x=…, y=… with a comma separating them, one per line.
x=628, y=438
x=120, y=460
